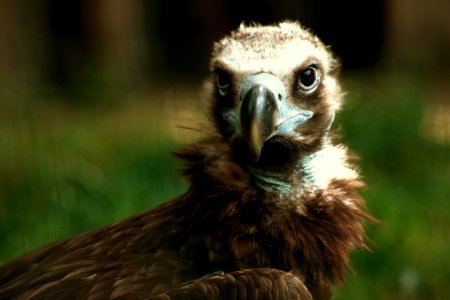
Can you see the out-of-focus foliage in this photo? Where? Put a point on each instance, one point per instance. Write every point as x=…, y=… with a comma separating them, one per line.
x=407, y=171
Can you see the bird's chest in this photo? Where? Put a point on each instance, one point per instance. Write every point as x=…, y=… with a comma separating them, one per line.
x=246, y=231
x=248, y=248
x=250, y=239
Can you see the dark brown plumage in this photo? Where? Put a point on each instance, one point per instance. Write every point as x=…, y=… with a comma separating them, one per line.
x=272, y=210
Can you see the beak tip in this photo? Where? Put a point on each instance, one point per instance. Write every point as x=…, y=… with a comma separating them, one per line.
x=256, y=155
x=255, y=141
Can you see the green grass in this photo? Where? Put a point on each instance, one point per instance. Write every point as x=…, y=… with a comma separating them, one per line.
x=67, y=168
x=408, y=176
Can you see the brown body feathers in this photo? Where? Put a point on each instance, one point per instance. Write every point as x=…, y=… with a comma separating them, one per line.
x=270, y=213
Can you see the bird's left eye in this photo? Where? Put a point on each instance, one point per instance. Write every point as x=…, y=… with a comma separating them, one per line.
x=223, y=81
x=308, y=78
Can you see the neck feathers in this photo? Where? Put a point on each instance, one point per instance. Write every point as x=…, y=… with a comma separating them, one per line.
x=307, y=222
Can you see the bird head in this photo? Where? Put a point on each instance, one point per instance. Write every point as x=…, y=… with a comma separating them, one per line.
x=272, y=88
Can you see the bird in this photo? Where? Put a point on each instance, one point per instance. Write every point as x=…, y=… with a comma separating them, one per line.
x=273, y=207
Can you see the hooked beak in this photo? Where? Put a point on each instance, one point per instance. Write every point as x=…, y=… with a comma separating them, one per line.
x=264, y=112
x=259, y=114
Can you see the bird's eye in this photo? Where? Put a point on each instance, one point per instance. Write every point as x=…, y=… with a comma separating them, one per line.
x=309, y=78
x=223, y=81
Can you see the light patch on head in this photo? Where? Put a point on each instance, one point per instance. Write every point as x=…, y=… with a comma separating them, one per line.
x=277, y=49
x=323, y=166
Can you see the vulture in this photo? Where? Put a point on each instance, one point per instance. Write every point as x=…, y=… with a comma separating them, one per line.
x=272, y=210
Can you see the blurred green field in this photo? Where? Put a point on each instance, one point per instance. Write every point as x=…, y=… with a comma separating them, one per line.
x=67, y=167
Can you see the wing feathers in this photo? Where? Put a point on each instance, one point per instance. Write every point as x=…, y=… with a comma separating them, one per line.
x=260, y=283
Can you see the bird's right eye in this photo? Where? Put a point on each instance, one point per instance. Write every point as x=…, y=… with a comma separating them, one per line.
x=223, y=82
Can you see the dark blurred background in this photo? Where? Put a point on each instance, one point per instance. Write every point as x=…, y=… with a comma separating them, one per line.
x=92, y=93
x=67, y=43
